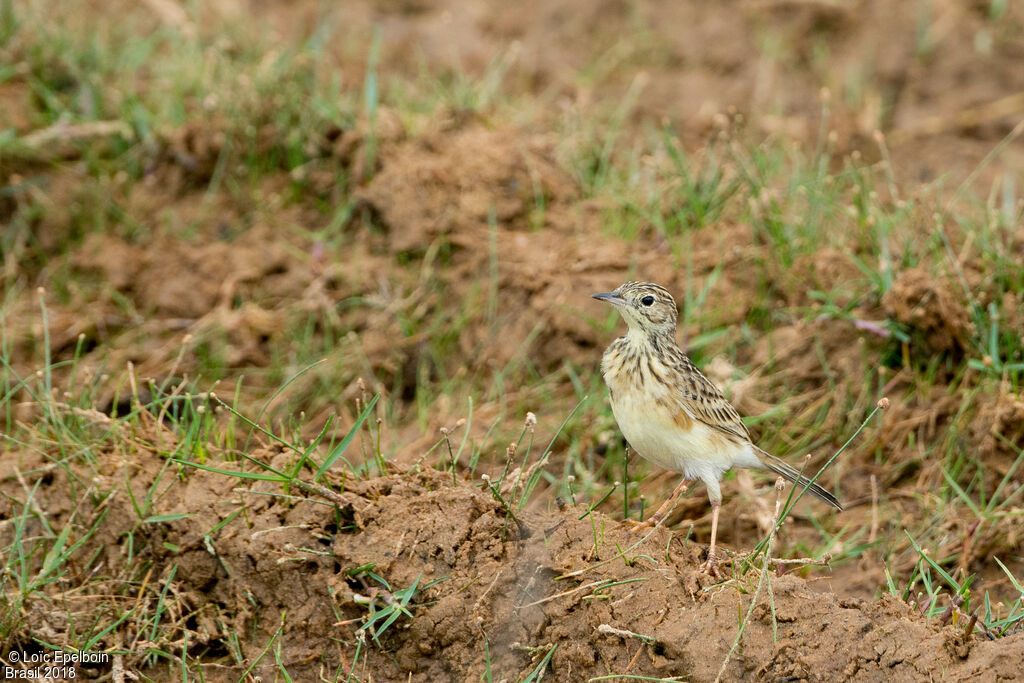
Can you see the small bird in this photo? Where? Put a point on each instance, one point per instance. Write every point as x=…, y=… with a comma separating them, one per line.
x=673, y=415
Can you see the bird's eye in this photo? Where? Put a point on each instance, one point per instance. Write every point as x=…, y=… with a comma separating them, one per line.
x=647, y=300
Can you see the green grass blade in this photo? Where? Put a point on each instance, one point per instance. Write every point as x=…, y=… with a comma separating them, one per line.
x=233, y=473
x=157, y=519
x=933, y=564
x=962, y=494
x=55, y=556
x=312, y=447
x=262, y=430
x=538, y=673
x=1009, y=575
x=287, y=383
x=339, y=450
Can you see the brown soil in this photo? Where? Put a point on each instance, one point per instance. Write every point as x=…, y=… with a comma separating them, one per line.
x=931, y=309
x=495, y=588
x=232, y=290
x=940, y=79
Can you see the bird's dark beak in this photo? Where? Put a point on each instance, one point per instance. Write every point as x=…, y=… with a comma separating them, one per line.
x=609, y=297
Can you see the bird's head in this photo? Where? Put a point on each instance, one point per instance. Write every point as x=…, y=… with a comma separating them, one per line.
x=648, y=308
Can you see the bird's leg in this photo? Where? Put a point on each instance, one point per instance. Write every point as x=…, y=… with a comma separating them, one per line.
x=711, y=566
x=663, y=511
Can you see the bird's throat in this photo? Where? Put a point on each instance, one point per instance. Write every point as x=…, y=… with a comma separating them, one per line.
x=640, y=339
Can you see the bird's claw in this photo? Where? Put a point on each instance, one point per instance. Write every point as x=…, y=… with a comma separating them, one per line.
x=636, y=527
x=710, y=567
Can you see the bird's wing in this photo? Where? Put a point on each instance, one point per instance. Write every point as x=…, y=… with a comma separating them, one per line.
x=702, y=401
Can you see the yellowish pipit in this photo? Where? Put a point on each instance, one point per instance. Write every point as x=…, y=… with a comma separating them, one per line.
x=671, y=413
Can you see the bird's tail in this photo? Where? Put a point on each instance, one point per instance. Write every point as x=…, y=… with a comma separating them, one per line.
x=782, y=469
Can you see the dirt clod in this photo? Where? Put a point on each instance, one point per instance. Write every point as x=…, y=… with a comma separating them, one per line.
x=932, y=310
x=485, y=588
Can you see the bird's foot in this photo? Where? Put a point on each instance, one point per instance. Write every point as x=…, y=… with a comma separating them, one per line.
x=636, y=527
x=710, y=567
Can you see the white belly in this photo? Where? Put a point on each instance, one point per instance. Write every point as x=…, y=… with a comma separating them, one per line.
x=697, y=452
